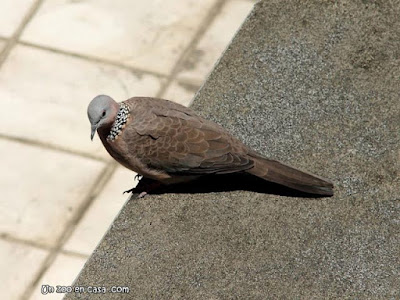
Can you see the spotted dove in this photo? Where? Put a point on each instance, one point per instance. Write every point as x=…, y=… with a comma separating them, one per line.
x=169, y=143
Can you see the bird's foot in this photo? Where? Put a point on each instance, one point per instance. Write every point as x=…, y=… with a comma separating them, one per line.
x=144, y=187
x=137, y=177
x=142, y=194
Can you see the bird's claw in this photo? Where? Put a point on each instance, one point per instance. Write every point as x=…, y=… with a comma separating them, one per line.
x=132, y=190
x=144, y=187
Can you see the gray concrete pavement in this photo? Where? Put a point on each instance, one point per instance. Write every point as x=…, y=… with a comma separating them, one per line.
x=314, y=84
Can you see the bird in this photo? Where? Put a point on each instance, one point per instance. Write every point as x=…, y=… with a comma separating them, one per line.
x=169, y=143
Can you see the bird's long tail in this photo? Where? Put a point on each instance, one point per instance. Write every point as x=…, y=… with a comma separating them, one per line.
x=280, y=173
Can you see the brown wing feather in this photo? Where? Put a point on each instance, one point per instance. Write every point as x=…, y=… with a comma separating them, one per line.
x=175, y=140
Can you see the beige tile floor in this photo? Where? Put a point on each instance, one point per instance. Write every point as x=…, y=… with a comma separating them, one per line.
x=60, y=192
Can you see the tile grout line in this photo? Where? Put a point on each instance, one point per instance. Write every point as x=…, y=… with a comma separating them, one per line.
x=74, y=254
x=189, y=81
x=204, y=25
x=8, y=238
x=94, y=191
x=47, y=146
x=12, y=41
x=135, y=70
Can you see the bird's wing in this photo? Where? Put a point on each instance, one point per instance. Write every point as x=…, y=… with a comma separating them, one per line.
x=175, y=140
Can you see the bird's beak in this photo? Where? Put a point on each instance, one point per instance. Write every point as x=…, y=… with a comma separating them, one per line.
x=94, y=128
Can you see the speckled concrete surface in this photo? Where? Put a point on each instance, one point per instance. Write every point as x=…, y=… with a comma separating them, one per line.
x=317, y=86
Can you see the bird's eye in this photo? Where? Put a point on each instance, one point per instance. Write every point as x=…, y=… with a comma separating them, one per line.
x=104, y=113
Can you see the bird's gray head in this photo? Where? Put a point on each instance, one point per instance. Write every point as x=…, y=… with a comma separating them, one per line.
x=102, y=111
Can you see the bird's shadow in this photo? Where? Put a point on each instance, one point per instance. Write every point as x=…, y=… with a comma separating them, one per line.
x=228, y=183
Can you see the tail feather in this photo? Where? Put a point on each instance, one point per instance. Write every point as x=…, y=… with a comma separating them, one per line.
x=280, y=173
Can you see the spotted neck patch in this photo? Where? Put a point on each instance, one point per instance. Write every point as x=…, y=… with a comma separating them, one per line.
x=119, y=123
